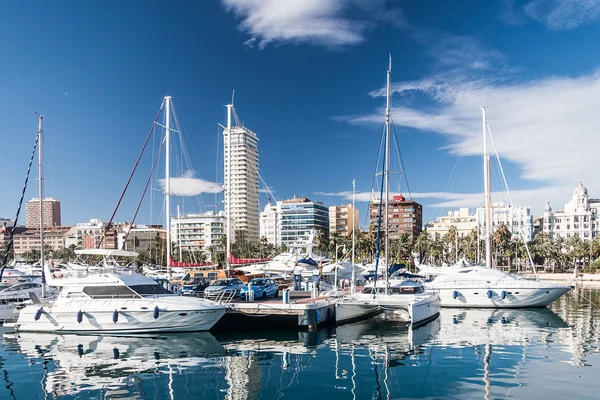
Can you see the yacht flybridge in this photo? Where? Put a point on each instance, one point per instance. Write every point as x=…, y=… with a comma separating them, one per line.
x=116, y=303
x=484, y=286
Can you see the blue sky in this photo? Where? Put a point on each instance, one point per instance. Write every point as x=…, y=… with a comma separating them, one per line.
x=308, y=76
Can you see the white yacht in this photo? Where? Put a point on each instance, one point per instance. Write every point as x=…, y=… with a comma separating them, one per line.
x=15, y=297
x=117, y=303
x=491, y=288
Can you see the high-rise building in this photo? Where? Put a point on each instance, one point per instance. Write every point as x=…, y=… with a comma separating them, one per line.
x=298, y=216
x=579, y=218
x=241, y=166
x=342, y=218
x=51, y=208
x=403, y=216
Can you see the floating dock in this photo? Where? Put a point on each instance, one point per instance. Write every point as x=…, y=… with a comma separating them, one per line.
x=301, y=311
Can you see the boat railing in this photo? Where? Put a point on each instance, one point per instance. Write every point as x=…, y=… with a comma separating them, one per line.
x=224, y=296
x=520, y=283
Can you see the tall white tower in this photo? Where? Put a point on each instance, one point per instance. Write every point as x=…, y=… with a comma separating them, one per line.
x=241, y=180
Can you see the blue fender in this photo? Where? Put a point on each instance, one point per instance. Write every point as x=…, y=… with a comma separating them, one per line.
x=455, y=294
x=115, y=316
x=156, y=312
x=490, y=294
x=38, y=313
x=79, y=316
x=503, y=294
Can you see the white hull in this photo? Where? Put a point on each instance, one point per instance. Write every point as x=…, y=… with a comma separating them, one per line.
x=8, y=310
x=514, y=297
x=412, y=309
x=176, y=314
x=348, y=311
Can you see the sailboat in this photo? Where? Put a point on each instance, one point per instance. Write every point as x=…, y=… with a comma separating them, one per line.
x=484, y=286
x=407, y=299
x=116, y=302
x=14, y=297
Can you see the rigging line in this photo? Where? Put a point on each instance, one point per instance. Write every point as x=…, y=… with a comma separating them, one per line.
x=186, y=155
x=401, y=159
x=446, y=185
x=217, y=164
x=144, y=192
x=108, y=225
x=12, y=231
x=511, y=200
x=378, y=241
x=374, y=181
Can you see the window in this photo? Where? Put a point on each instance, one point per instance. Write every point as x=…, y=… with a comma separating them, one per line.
x=109, y=291
x=575, y=219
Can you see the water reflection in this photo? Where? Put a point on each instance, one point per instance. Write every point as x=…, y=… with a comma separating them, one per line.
x=464, y=353
x=113, y=364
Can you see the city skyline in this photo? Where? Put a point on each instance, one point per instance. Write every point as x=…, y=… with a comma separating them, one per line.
x=313, y=97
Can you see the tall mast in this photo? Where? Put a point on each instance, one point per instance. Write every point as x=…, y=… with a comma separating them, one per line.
x=168, y=179
x=228, y=186
x=386, y=173
x=179, y=234
x=353, y=284
x=486, y=188
x=41, y=194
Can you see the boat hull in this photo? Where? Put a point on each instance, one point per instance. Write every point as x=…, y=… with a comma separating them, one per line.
x=499, y=296
x=120, y=316
x=352, y=311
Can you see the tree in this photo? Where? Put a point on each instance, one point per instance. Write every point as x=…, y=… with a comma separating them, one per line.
x=422, y=245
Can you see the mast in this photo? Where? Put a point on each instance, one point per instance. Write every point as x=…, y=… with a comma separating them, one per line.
x=386, y=173
x=41, y=194
x=168, y=180
x=353, y=284
x=228, y=187
x=179, y=234
x=486, y=188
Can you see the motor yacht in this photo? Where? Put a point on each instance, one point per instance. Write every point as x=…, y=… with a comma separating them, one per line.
x=491, y=288
x=116, y=303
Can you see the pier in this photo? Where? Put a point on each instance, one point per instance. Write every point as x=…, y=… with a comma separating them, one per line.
x=301, y=311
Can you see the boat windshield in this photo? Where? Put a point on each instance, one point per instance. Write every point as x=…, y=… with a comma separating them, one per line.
x=124, y=291
x=407, y=290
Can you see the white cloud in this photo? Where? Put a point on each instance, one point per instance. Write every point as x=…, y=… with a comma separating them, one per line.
x=563, y=14
x=188, y=185
x=324, y=22
x=266, y=190
x=547, y=127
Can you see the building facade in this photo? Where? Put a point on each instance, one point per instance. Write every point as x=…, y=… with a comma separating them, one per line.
x=197, y=232
x=139, y=237
x=404, y=216
x=517, y=219
x=29, y=239
x=461, y=219
x=579, y=218
x=343, y=218
x=89, y=235
x=298, y=216
x=51, y=209
x=241, y=166
x=269, y=227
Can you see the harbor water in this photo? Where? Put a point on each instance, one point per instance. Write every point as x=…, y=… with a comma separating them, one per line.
x=551, y=353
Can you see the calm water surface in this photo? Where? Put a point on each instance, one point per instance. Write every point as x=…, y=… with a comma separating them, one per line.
x=549, y=353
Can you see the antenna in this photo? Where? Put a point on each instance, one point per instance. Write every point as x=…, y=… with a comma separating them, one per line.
x=232, y=96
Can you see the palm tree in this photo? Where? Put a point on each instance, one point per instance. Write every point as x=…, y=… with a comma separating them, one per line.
x=422, y=245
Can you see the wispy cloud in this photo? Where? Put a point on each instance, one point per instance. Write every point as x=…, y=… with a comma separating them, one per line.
x=547, y=127
x=563, y=14
x=188, y=185
x=267, y=190
x=323, y=22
